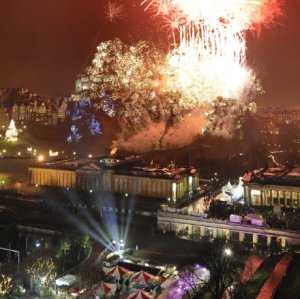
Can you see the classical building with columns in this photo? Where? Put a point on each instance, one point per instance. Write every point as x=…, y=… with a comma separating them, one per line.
x=193, y=226
x=122, y=175
x=277, y=187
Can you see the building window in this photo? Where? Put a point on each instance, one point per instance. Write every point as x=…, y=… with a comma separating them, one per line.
x=255, y=197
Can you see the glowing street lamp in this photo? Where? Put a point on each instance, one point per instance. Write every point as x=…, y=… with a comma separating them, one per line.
x=122, y=244
x=40, y=158
x=37, y=243
x=228, y=251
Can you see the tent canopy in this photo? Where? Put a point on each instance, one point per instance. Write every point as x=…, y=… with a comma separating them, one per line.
x=117, y=271
x=139, y=295
x=104, y=289
x=142, y=277
x=67, y=280
x=228, y=187
x=108, y=288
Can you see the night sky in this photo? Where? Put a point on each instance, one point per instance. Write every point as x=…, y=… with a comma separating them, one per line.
x=44, y=44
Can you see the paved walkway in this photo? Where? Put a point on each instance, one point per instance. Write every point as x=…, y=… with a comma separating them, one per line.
x=275, y=278
x=251, y=266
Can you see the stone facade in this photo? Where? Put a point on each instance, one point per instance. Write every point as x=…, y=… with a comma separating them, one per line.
x=39, y=112
x=119, y=177
x=273, y=187
x=52, y=177
x=195, y=226
x=4, y=118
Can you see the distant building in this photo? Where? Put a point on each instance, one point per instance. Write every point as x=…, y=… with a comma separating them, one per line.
x=43, y=113
x=277, y=187
x=122, y=175
x=270, y=118
x=25, y=107
x=4, y=117
x=81, y=84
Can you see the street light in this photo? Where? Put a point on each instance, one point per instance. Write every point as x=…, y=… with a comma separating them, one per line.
x=37, y=243
x=122, y=245
x=228, y=251
x=40, y=158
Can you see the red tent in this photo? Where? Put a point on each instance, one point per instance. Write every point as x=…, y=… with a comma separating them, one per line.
x=104, y=289
x=142, y=277
x=108, y=288
x=117, y=271
x=139, y=295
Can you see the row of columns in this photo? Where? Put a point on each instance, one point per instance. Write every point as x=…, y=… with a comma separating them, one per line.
x=228, y=234
x=263, y=196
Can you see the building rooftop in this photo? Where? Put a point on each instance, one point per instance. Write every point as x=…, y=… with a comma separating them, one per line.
x=159, y=172
x=122, y=165
x=274, y=176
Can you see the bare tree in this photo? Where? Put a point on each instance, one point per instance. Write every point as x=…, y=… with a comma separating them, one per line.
x=224, y=267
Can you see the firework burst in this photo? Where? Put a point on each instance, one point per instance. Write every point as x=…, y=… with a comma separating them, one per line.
x=114, y=11
x=209, y=59
x=159, y=94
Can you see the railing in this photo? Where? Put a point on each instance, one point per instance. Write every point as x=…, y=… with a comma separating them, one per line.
x=224, y=224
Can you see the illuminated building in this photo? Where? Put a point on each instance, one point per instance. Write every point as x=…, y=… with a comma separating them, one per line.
x=122, y=175
x=39, y=112
x=269, y=120
x=170, y=220
x=26, y=108
x=4, y=117
x=277, y=187
x=81, y=84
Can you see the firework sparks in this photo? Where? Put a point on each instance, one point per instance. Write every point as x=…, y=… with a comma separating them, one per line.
x=114, y=11
x=128, y=80
x=210, y=59
x=243, y=14
x=158, y=95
